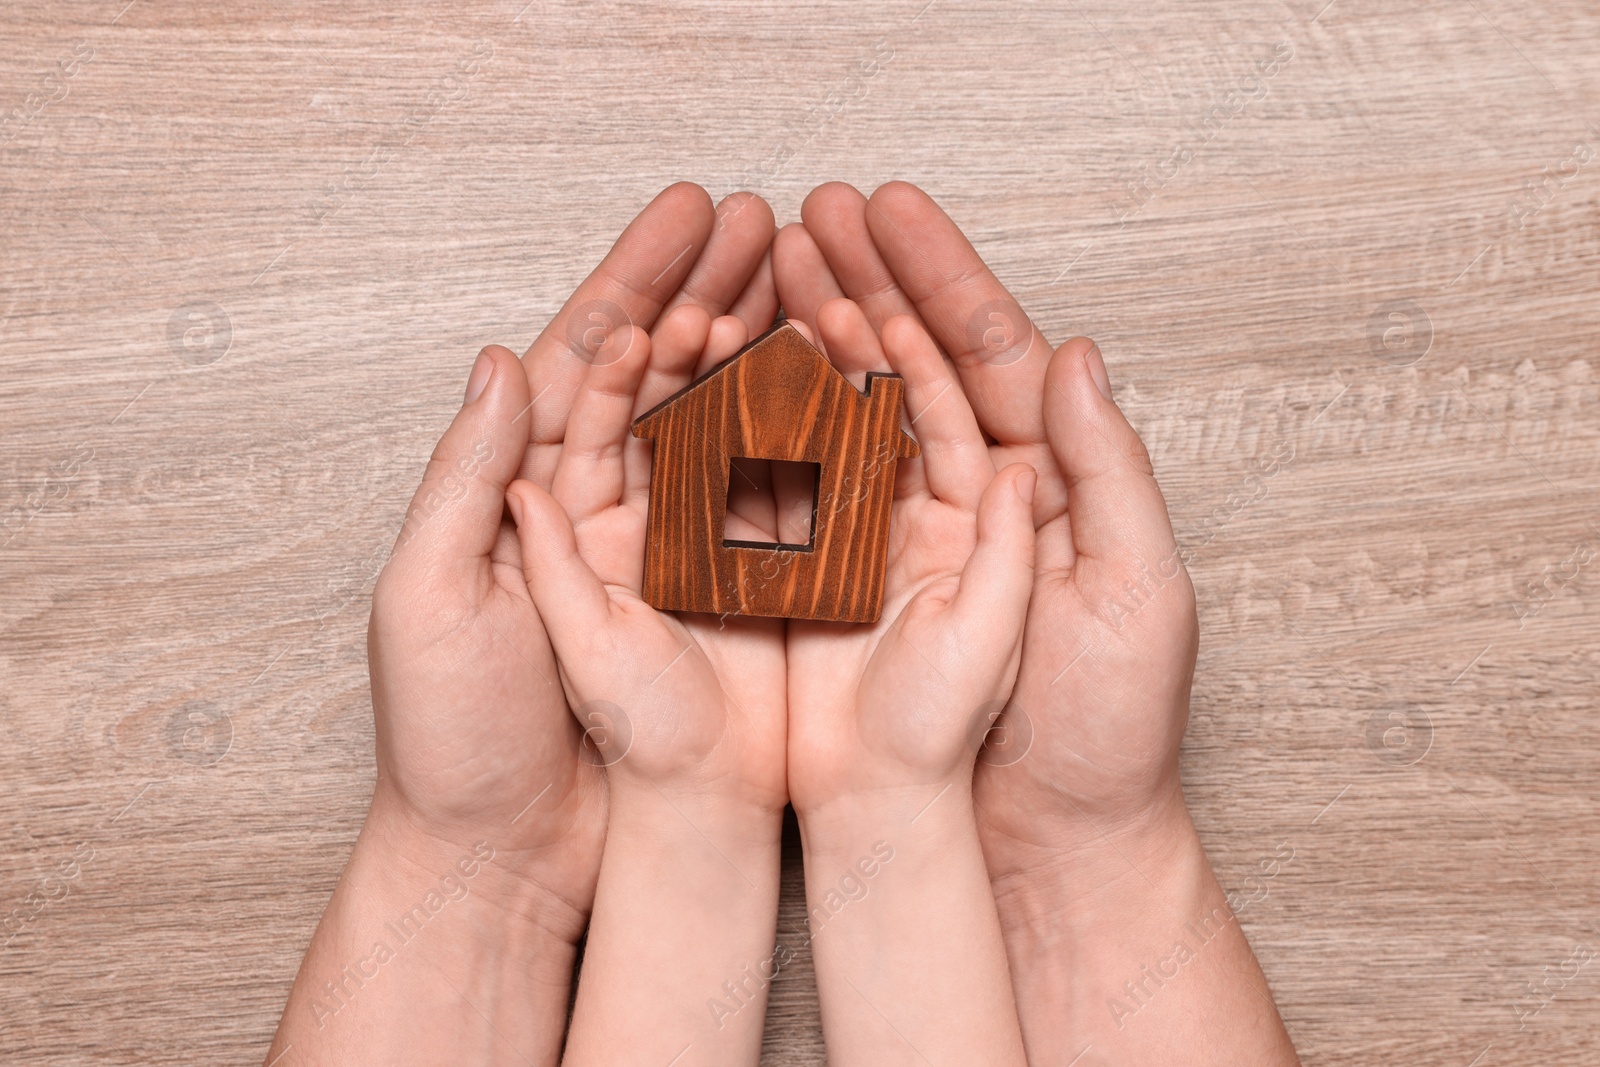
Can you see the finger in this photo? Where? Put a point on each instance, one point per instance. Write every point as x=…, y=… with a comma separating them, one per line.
x=999, y=353
x=570, y=599
x=675, y=347
x=644, y=269
x=992, y=597
x=802, y=275
x=835, y=215
x=456, y=512
x=955, y=457
x=739, y=241
x=757, y=306
x=589, y=477
x=1114, y=505
x=728, y=335
x=805, y=330
x=853, y=345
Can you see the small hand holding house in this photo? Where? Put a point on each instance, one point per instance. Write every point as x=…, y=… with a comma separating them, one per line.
x=778, y=399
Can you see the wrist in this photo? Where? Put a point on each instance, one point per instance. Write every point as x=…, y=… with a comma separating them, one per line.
x=1080, y=877
x=883, y=868
x=645, y=815
x=1131, y=945
x=417, y=920
x=931, y=814
x=680, y=951
x=510, y=886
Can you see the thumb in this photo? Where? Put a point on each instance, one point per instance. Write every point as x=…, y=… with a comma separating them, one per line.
x=1114, y=506
x=992, y=596
x=456, y=511
x=569, y=597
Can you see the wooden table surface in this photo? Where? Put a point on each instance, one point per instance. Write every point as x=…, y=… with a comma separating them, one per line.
x=248, y=259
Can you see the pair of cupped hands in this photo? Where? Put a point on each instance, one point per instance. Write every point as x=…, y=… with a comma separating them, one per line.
x=532, y=708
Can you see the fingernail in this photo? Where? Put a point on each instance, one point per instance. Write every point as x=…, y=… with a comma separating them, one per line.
x=514, y=502
x=481, y=370
x=1025, y=485
x=1097, y=371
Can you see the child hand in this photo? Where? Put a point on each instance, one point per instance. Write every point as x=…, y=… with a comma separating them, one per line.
x=695, y=710
x=885, y=710
x=881, y=744
x=698, y=703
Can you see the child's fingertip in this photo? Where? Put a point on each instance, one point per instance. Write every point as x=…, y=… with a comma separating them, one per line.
x=514, y=505
x=1027, y=482
x=726, y=336
x=619, y=345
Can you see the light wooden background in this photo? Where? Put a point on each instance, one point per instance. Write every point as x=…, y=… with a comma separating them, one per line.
x=194, y=530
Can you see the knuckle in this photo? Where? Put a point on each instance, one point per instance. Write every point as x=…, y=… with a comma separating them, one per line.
x=1138, y=455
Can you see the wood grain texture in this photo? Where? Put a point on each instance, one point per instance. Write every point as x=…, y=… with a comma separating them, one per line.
x=249, y=251
x=777, y=399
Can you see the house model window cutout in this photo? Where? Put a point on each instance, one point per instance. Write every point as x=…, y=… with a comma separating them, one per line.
x=778, y=399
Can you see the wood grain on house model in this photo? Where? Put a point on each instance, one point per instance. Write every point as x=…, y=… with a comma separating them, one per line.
x=778, y=399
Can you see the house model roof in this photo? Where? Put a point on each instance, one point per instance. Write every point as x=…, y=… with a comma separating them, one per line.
x=775, y=367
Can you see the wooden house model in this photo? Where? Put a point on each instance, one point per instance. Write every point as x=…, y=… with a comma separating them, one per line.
x=778, y=399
